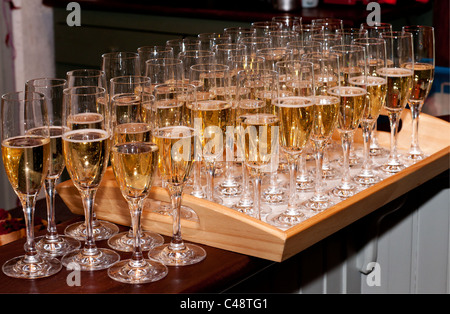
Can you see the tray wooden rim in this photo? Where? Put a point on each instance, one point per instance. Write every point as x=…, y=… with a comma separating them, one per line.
x=244, y=234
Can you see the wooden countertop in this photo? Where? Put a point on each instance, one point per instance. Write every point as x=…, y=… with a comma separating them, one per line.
x=220, y=270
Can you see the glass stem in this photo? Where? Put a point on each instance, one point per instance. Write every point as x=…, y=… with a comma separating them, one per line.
x=245, y=182
x=374, y=136
x=210, y=170
x=197, y=186
x=415, y=112
x=135, y=205
x=366, y=127
x=28, y=203
x=301, y=167
x=88, y=197
x=318, y=186
x=50, y=185
x=393, y=120
x=257, y=194
x=292, y=162
x=346, y=139
x=175, y=196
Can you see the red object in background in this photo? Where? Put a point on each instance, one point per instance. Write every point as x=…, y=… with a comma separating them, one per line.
x=351, y=2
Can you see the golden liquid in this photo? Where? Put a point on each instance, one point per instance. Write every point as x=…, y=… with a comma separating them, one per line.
x=211, y=118
x=56, y=165
x=259, y=136
x=176, y=153
x=132, y=132
x=134, y=167
x=399, y=86
x=86, y=153
x=26, y=161
x=86, y=120
x=126, y=108
x=423, y=80
x=169, y=112
x=326, y=109
x=351, y=106
x=296, y=115
x=376, y=96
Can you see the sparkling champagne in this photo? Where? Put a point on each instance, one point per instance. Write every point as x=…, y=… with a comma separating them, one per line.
x=88, y=120
x=126, y=107
x=423, y=80
x=26, y=161
x=56, y=165
x=351, y=106
x=326, y=109
x=399, y=86
x=260, y=140
x=296, y=115
x=134, y=167
x=376, y=96
x=132, y=132
x=175, y=153
x=86, y=153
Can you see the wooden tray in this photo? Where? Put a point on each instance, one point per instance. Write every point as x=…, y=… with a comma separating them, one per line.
x=225, y=228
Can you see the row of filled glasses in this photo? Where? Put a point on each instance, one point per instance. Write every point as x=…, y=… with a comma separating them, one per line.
x=187, y=106
x=50, y=127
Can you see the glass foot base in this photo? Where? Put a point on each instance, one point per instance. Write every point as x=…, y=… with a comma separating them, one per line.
x=31, y=268
x=83, y=260
x=345, y=192
x=392, y=168
x=102, y=230
x=132, y=272
x=319, y=204
x=191, y=254
x=59, y=246
x=274, y=195
x=366, y=180
x=286, y=219
x=186, y=212
x=124, y=241
x=378, y=151
x=229, y=190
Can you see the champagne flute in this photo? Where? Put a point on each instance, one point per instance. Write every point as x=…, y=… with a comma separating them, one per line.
x=209, y=40
x=295, y=110
x=153, y=52
x=120, y=63
x=176, y=148
x=26, y=158
x=164, y=70
x=86, y=77
x=214, y=114
x=289, y=22
x=86, y=149
x=255, y=90
x=400, y=79
x=350, y=34
x=127, y=95
x=376, y=98
x=134, y=164
x=190, y=58
x=423, y=41
x=52, y=243
x=237, y=33
x=230, y=187
x=374, y=31
x=352, y=104
x=329, y=25
x=326, y=108
x=259, y=139
x=102, y=229
x=254, y=43
x=262, y=28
